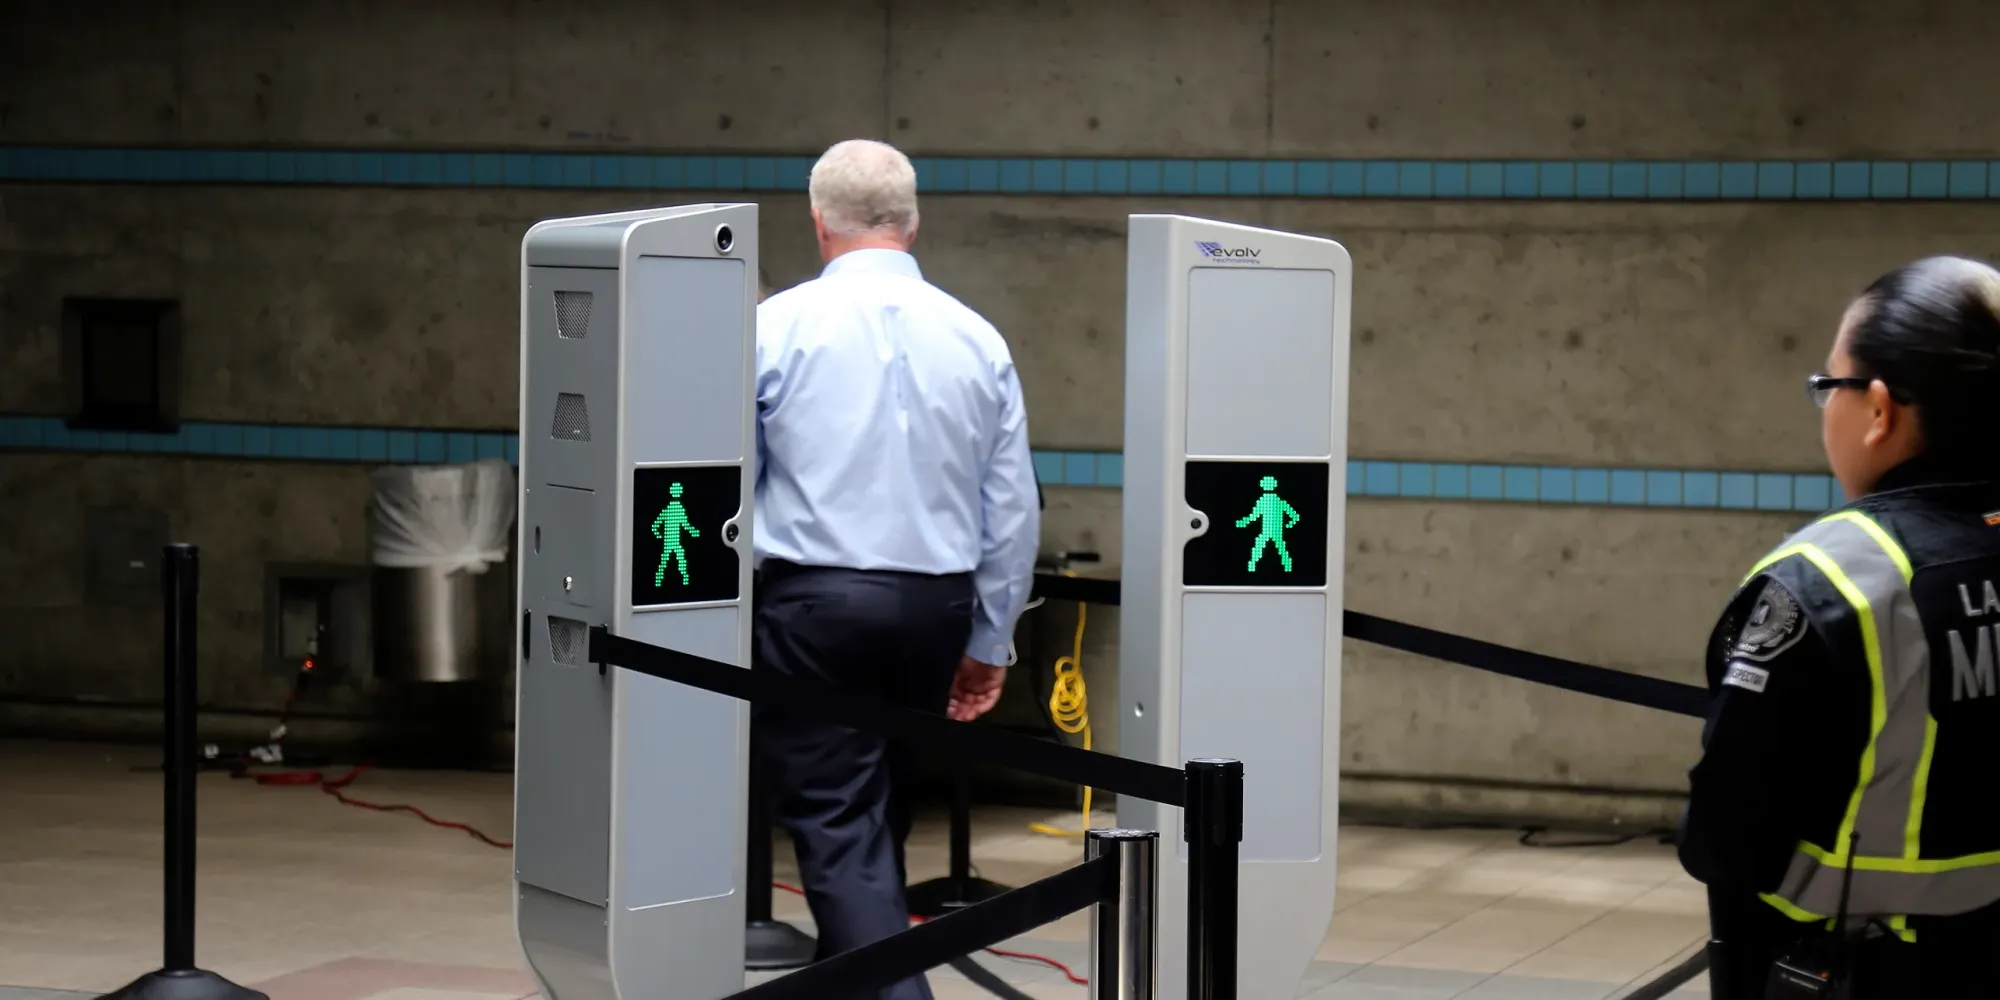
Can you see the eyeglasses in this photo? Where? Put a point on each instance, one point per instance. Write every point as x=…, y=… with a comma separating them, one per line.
x=1819, y=388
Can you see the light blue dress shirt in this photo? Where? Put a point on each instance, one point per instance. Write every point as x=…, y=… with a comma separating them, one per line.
x=891, y=436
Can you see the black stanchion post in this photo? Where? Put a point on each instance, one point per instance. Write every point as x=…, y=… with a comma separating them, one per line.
x=769, y=943
x=179, y=978
x=1214, y=829
x=960, y=888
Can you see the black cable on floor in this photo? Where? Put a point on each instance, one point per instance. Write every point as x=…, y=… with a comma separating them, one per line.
x=1673, y=978
x=986, y=979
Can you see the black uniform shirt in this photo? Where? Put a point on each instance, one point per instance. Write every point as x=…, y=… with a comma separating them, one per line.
x=1781, y=749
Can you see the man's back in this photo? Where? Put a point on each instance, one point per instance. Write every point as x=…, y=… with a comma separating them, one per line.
x=884, y=405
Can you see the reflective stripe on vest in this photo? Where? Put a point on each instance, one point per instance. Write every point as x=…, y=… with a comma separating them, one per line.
x=1884, y=816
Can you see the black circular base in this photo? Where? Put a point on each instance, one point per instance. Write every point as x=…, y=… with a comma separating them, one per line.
x=773, y=944
x=183, y=984
x=940, y=896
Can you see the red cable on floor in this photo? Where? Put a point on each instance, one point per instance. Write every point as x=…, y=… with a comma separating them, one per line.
x=1025, y=956
x=333, y=786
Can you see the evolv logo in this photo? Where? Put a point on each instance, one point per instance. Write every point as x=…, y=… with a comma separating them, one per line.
x=1219, y=254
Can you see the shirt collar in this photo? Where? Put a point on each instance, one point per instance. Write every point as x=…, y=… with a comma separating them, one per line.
x=1932, y=470
x=878, y=260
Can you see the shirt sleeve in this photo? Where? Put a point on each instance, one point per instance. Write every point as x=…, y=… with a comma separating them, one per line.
x=1764, y=743
x=1010, y=530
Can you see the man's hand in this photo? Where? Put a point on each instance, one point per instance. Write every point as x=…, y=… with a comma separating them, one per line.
x=975, y=690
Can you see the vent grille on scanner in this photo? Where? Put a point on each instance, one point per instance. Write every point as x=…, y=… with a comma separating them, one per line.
x=569, y=641
x=572, y=422
x=572, y=315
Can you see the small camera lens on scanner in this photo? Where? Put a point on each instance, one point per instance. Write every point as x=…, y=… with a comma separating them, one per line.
x=725, y=240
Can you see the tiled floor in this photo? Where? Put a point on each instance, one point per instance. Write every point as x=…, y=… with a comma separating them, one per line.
x=310, y=900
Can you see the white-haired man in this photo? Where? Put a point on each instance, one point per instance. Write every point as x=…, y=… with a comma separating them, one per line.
x=896, y=527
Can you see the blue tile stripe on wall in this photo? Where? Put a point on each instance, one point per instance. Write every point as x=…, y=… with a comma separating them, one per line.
x=1771, y=491
x=1645, y=180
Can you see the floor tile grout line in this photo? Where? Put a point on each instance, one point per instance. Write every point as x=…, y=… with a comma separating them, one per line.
x=1490, y=903
x=1586, y=924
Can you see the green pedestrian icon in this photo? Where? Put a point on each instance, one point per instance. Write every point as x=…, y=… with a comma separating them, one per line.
x=667, y=528
x=1272, y=514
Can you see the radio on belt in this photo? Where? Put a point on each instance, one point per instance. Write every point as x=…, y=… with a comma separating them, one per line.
x=1235, y=484
x=637, y=355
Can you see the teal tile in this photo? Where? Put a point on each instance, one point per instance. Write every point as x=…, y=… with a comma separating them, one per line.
x=697, y=173
x=1483, y=482
x=1486, y=180
x=1450, y=180
x=488, y=169
x=1929, y=179
x=1379, y=180
x=1415, y=479
x=513, y=449
x=1593, y=180
x=1889, y=179
x=398, y=168
x=1739, y=180
x=1700, y=489
x=287, y=442
x=1413, y=179
x=1211, y=177
x=460, y=448
x=731, y=173
x=489, y=446
x=113, y=441
x=1738, y=490
x=1968, y=179
x=1281, y=178
x=1850, y=180
x=1246, y=178
x=1045, y=176
x=760, y=173
x=1774, y=492
x=372, y=445
x=1628, y=180
x=1382, y=480
x=1701, y=180
x=1663, y=489
x=982, y=174
x=1349, y=178
x=456, y=168
x=1049, y=467
x=1663, y=180
x=1558, y=485
x=1520, y=180
x=1315, y=177
x=1450, y=481
x=1628, y=486
x=1558, y=180
x=1177, y=177
x=343, y=444
x=1111, y=470
x=576, y=172
x=1813, y=180
x=402, y=446
x=1357, y=476
x=1775, y=180
x=1145, y=177
x=670, y=173
x=1079, y=468
x=947, y=176
x=199, y=439
x=1519, y=483
x=314, y=443
x=256, y=442
x=432, y=447
x=1812, y=493
x=1112, y=176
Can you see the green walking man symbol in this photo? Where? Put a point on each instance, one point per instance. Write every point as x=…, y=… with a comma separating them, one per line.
x=1271, y=512
x=667, y=528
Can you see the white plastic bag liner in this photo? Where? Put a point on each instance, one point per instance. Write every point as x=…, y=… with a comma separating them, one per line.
x=451, y=517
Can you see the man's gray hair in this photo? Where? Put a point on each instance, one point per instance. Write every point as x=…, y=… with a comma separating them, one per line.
x=861, y=186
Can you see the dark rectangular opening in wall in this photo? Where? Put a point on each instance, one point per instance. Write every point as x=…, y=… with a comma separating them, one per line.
x=122, y=361
x=317, y=612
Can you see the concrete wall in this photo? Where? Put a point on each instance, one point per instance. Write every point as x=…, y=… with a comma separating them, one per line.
x=1645, y=334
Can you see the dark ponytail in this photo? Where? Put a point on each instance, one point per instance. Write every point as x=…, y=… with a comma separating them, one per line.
x=1930, y=331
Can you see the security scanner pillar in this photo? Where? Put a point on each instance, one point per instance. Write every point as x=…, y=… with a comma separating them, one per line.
x=637, y=348
x=1236, y=362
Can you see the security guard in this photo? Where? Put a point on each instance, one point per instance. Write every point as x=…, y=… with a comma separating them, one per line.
x=1854, y=734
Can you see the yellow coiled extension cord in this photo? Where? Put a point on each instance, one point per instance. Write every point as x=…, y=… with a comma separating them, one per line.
x=1069, y=707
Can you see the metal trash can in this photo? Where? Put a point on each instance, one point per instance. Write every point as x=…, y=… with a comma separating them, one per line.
x=435, y=529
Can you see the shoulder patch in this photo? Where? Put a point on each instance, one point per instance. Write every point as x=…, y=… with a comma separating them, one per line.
x=1776, y=623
